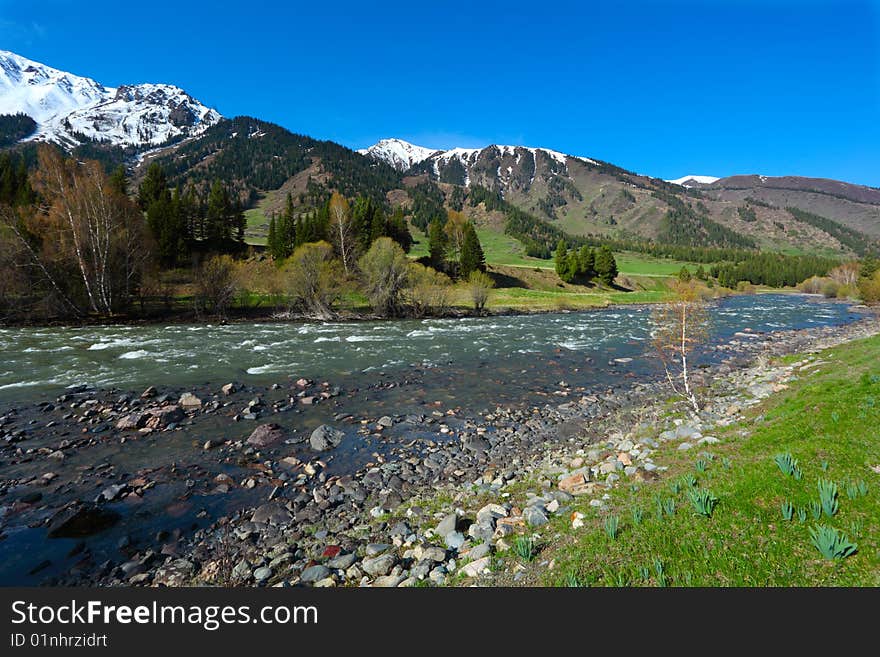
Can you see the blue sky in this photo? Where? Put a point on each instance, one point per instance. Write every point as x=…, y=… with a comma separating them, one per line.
x=663, y=88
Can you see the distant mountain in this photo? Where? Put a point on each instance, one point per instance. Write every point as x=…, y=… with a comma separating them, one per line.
x=692, y=180
x=399, y=154
x=585, y=196
x=553, y=193
x=70, y=109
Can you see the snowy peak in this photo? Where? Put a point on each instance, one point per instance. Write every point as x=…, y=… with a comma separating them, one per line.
x=398, y=153
x=691, y=180
x=42, y=92
x=502, y=167
x=67, y=107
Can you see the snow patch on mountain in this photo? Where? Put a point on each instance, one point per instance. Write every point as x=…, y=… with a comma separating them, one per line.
x=400, y=154
x=66, y=106
x=703, y=180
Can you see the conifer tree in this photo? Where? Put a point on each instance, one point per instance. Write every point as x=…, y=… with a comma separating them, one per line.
x=472, y=256
x=606, y=266
x=561, y=259
x=437, y=245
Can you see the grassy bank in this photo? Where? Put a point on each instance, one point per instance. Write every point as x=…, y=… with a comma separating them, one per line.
x=827, y=420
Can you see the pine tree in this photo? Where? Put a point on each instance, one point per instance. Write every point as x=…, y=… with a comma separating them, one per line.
x=437, y=245
x=153, y=186
x=561, y=259
x=472, y=256
x=118, y=182
x=684, y=275
x=218, y=228
x=586, y=262
x=606, y=266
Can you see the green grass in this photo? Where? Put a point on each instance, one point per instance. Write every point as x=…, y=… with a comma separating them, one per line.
x=828, y=415
x=257, y=227
x=644, y=265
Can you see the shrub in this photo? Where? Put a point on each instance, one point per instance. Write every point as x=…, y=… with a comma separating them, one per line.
x=311, y=275
x=216, y=285
x=478, y=286
x=869, y=288
x=386, y=272
x=428, y=290
x=830, y=289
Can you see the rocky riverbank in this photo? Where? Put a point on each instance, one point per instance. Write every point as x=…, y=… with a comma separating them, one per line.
x=429, y=498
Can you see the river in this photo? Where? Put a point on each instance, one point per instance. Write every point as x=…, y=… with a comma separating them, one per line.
x=459, y=367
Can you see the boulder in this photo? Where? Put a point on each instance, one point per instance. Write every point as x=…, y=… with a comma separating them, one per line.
x=271, y=514
x=189, y=401
x=379, y=566
x=576, y=484
x=78, y=519
x=325, y=437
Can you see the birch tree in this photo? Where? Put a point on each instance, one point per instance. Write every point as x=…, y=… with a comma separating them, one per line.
x=680, y=326
x=341, y=230
x=84, y=222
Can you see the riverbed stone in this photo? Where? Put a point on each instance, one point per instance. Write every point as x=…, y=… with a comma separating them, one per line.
x=265, y=435
x=271, y=514
x=78, y=519
x=314, y=573
x=189, y=401
x=380, y=565
x=342, y=561
x=325, y=438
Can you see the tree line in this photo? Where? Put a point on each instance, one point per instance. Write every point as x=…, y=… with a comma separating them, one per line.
x=585, y=264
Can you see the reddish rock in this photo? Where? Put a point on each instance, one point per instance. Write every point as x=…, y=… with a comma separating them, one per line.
x=331, y=551
x=575, y=484
x=266, y=435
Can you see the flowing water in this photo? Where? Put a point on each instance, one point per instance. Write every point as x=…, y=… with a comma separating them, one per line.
x=383, y=367
x=472, y=353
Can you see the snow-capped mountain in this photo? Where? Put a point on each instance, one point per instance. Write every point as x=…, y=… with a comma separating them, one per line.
x=506, y=168
x=689, y=180
x=398, y=153
x=66, y=106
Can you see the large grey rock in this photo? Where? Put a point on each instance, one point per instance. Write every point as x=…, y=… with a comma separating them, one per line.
x=379, y=566
x=79, y=519
x=266, y=435
x=434, y=553
x=454, y=540
x=447, y=525
x=534, y=516
x=490, y=513
x=342, y=562
x=325, y=437
x=271, y=514
x=314, y=574
x=476, y=567
x=262, y=574
x=111, y=493
x=481, y=532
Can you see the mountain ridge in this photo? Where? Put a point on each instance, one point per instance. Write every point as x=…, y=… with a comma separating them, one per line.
x=70, y=109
